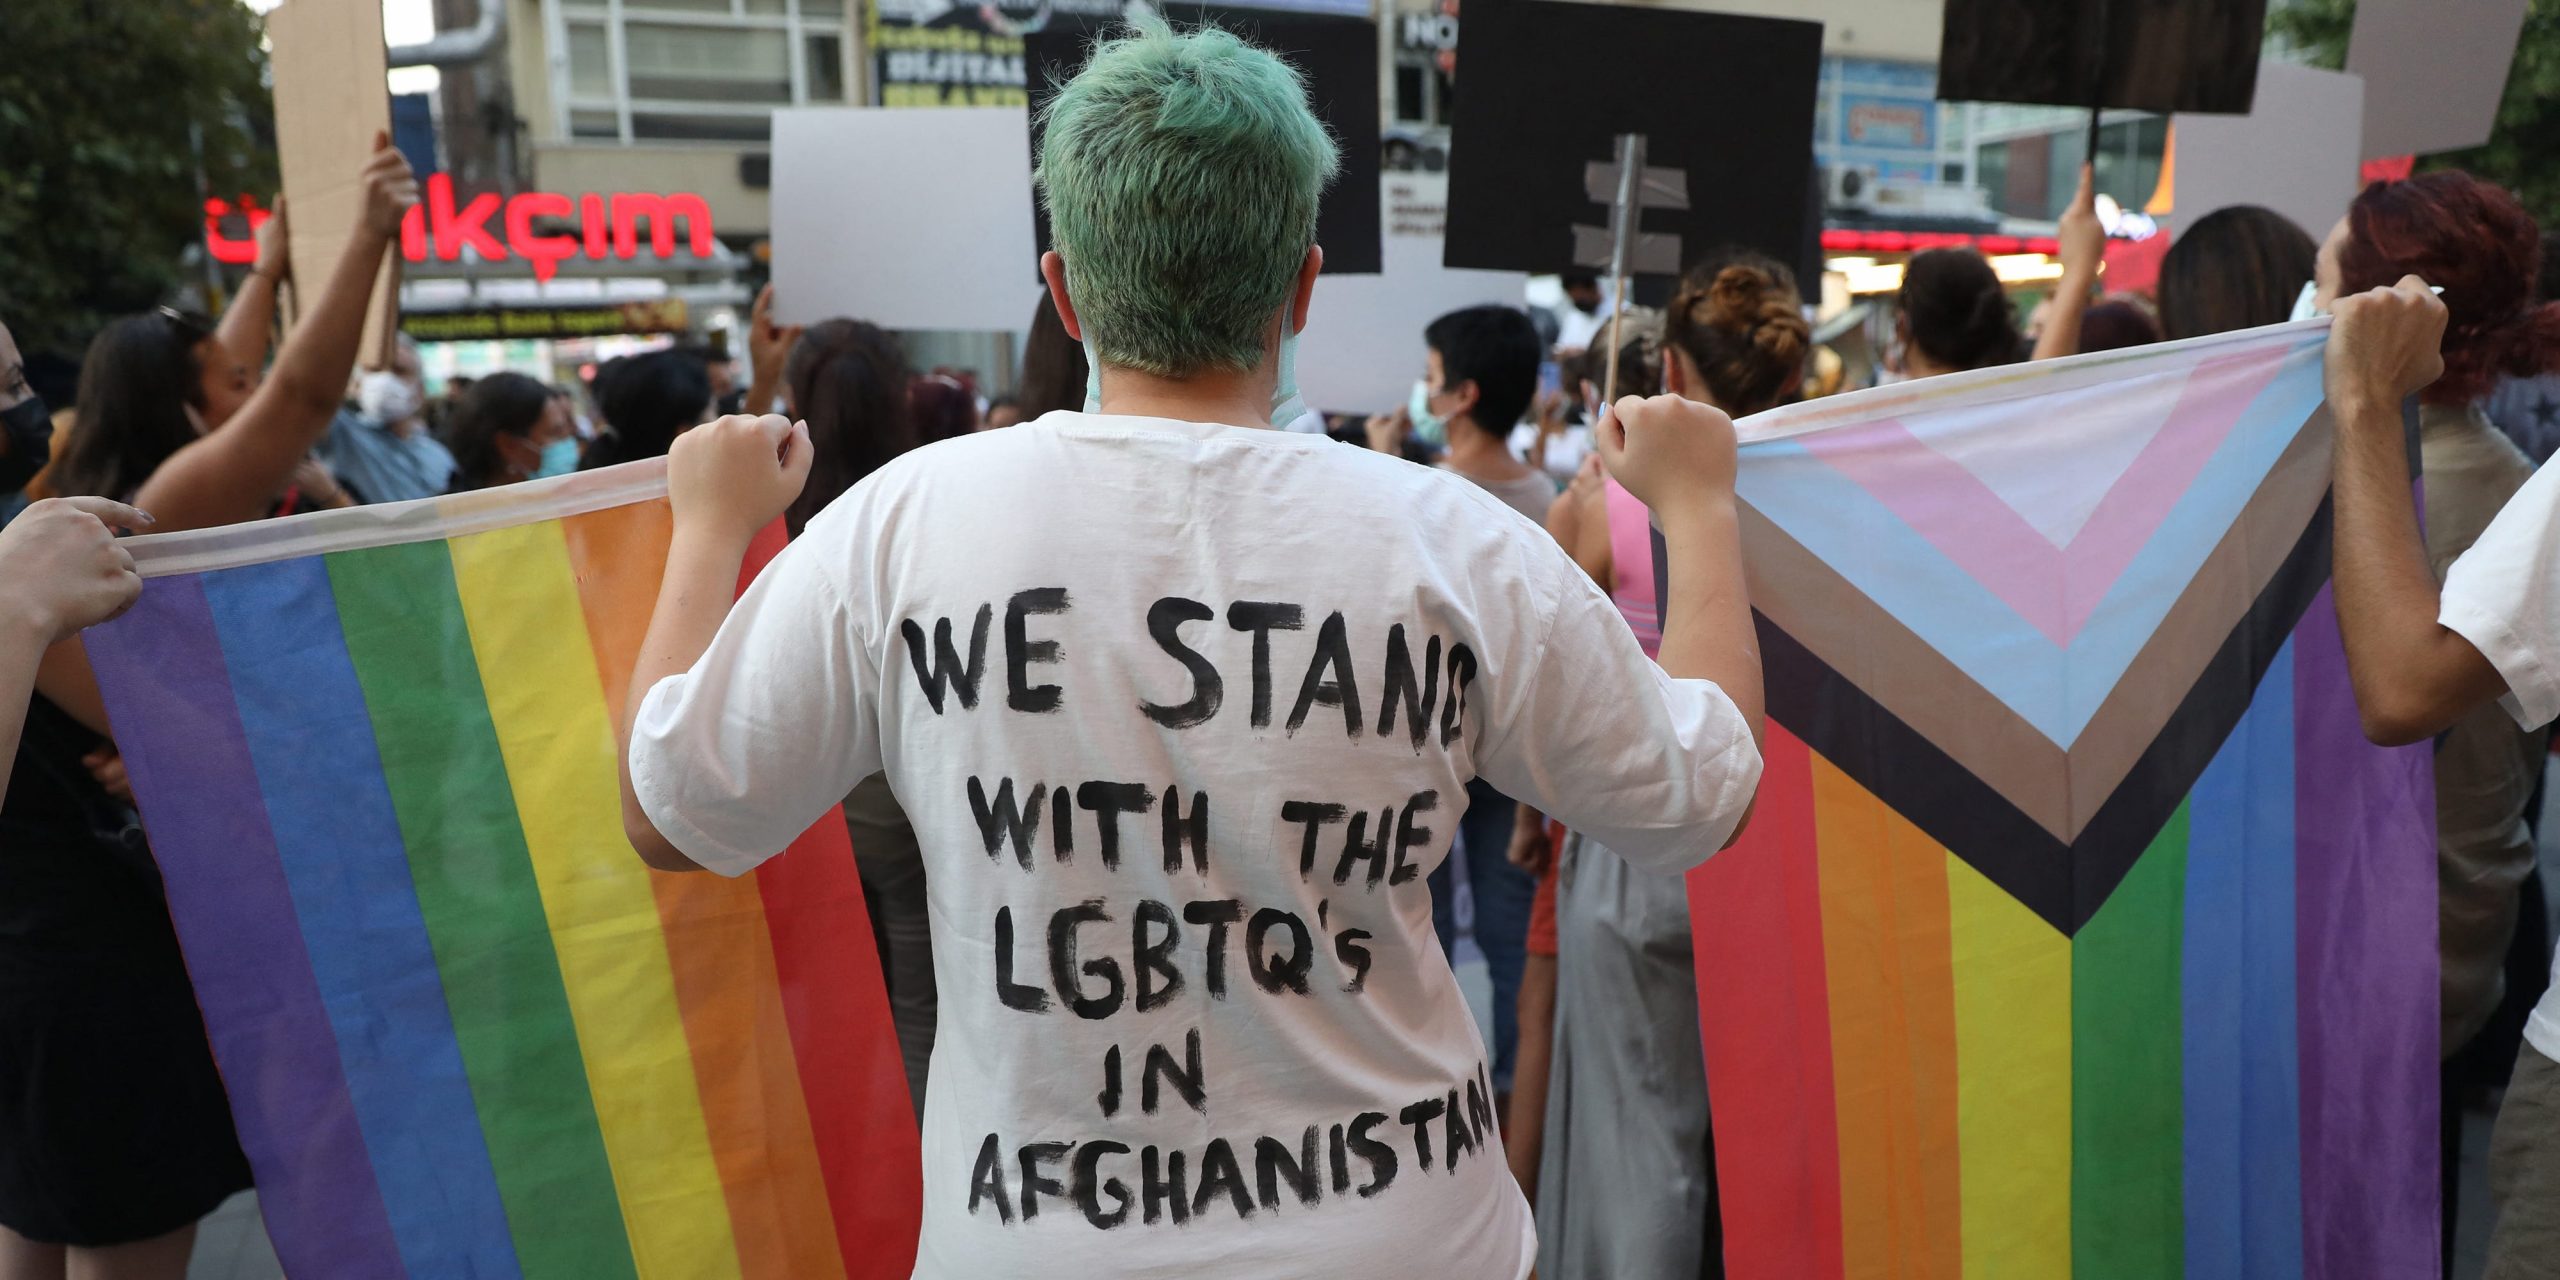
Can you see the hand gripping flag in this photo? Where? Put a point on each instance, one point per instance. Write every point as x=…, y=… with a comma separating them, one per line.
x=2079, y=932
x=464, y=1031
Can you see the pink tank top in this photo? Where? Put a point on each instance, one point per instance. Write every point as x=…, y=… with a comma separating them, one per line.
x=1631, y=567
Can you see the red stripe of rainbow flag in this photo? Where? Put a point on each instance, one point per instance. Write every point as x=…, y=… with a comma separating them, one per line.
x=464, y=1031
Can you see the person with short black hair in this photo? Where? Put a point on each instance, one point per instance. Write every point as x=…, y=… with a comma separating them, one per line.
x=647, y=401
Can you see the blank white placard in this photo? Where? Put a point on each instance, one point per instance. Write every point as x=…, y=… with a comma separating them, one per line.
x=1362, y=348
x=911, y=218
x=2434, y=71
x=2295, y=152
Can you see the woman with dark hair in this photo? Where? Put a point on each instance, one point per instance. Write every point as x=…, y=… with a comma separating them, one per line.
x=2117, y=323
x=848, y=380
x=508, y=428
x=115, y=1137
x=2236, y=268
x=647, y=401
x=1054, y=372
x=1956, y=314
x=2475, y=241
x=1615, y=1199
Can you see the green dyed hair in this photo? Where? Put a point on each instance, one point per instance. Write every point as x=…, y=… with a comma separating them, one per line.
x=1181, y=174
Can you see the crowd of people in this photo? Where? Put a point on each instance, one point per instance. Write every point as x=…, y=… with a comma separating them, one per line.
x=1589, y=740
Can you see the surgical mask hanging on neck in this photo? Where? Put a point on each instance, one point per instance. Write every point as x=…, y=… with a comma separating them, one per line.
x=1287, y=405
x=1431, y=427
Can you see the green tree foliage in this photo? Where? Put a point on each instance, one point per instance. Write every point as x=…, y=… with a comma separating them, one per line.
x=2523, y=155
x=117, y=118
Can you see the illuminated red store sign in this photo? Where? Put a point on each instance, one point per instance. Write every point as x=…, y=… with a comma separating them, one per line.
x=500, y=229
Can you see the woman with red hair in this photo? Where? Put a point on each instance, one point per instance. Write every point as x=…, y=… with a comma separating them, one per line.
x=2473, y=240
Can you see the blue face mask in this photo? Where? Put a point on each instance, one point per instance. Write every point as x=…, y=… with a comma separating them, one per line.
x=1433, y=428
x=1287, y=405
x=559, y=458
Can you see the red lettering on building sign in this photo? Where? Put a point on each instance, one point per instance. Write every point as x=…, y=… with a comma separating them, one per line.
x=608, y=227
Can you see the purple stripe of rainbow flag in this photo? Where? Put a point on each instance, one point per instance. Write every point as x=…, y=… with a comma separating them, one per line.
x=464, y=1032
x=1921, y=1078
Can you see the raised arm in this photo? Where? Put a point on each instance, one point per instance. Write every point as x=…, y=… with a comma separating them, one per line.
x=2413, y=676
x=1677, y=456
x=236, y=470
x=726, y=480
x=249, y=323
x=2084, y=246
x=768, y=353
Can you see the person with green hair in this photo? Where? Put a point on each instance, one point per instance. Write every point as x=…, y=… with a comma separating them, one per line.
x=1178, y=769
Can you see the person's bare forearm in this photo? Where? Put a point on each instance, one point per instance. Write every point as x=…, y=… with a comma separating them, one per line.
x=2061, y=336
x=693, y=600
x=1707, y=632
x=2413, y=677
x=235, y=473
x=248, y=324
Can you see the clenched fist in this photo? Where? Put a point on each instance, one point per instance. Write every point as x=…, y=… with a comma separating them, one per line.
x=1668, y=451
x=60, y=567
x=2386, y=345
x=731, y=477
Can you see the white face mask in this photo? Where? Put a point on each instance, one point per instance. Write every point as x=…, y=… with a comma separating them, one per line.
x=1287, y=405
x=386, y=397
x=2305, y=305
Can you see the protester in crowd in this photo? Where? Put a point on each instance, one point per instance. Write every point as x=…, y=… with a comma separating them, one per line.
x=1002, y=411
x=726, y=395
x=60, y=572
x=1141, y=558
x=2237, y=268
x=647, y=401
x=114, y=1134
x=2475, y=241
x=847, y=380
x=2527, y=408
x=1054, y=371
x=941, y=406
x=1618, y=1199
x=1481, y=368
x=26, y=429
x=1552, y=440
x=511, y=428
x=383, y=452
x=1586, y=309
x=2116, y=323
x=1956, y=315
x=769, y=347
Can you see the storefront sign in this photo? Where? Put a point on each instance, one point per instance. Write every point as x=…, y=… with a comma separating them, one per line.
x=939, y=53
x=662, y=315
x=596, y=226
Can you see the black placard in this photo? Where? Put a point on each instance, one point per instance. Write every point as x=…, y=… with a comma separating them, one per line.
x=1544, y=89
x=1339, y=58
x=2151, y=55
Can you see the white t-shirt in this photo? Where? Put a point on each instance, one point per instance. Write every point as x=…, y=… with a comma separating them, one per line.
x=1250, y=672
x=2503, y=596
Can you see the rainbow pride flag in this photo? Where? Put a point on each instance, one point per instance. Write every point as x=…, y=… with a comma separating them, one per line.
x=2079, y=933
x=464, y=1031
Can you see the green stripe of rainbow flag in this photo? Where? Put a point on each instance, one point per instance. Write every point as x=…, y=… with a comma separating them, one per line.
x=464, y=1031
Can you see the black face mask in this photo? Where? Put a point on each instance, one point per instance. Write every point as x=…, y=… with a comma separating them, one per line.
x=30, y=433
